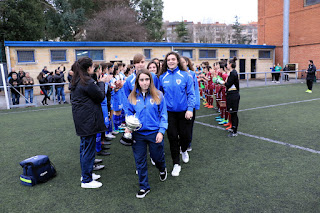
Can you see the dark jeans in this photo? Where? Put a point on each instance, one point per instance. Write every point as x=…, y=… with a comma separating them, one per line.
x=277, y=75
x=87, y=156
x=60, y=93
x=29, y=93
x=15, y=98
x=139, y=149
x=179, y=134
x=309, y=84
x=273, y=76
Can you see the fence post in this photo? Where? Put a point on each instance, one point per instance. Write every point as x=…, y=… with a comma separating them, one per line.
x=247, y=80
x=5, y=86
x=54, y=93
x=265, y=79
x=296, y=76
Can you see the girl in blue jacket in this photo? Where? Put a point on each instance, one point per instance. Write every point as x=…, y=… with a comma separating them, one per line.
x=178, y=90
x=148, y=105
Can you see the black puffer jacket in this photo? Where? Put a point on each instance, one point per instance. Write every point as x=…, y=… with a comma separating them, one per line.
x=86, y=107
x=311, y=72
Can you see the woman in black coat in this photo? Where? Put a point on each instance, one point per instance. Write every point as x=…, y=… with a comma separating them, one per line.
x=87, y=95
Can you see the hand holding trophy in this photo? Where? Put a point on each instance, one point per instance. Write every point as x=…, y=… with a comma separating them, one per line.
x=132, y=124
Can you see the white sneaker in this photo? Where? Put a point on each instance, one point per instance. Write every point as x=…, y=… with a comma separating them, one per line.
x=91, y=185
x=189, y=149
x=94, y=177
x=152, y=162
x=176, y=170
x=185, y=157
x=115, y=132
x=111, y=136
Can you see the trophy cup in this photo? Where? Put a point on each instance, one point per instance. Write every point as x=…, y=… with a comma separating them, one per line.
x=133, y=124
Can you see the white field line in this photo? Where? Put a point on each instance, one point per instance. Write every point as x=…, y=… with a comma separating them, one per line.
x=263, y=138
x=35, y=110
x=264, y=107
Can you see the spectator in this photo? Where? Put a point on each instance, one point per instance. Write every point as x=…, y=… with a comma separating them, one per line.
x=286, y=74
x=50, y=88
x=27, y=80
x=15, y=89
x=70, y=74
x=13, y=70
x=277, y=70
x=59, y=78
x=62, y=68
x=311, y=72
x=45, y=70
x=43, y=80
x=21, y=75
x=273, y=74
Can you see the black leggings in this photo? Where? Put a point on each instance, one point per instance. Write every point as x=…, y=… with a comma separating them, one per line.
x=179, y=134
x=234, y=121
x=309, y=84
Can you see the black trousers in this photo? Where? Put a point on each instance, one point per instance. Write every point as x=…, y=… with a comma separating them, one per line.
x=233, y=99
x=309, y=84
x=179, y=134
x=277, y=75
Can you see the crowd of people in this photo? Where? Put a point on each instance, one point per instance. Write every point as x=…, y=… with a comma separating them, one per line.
x=21, y=83
x=163, y=96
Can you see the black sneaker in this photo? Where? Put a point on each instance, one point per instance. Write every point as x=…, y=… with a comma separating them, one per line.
x=232, y=134
x=163, y=175
x=96, y=161
x=142, y=193
x=103, y=153
x=104, y=147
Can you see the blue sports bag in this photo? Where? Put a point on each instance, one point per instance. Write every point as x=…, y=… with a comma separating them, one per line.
x=37, y=169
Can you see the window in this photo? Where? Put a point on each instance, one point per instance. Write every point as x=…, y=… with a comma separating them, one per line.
x=25, y=56
x=264, y=54
x=233, y=53
x=207, y=54
x=147, y=53
x=311, y=2
x=58, y=55
x=95, y=55
x=187, y=53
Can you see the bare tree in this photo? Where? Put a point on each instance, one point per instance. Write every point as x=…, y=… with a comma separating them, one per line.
x=116, y=24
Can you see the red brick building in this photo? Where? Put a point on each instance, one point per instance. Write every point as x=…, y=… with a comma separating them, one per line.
x=304, y=30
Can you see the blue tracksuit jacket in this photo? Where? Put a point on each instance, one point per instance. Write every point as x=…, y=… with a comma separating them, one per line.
x=178, y=90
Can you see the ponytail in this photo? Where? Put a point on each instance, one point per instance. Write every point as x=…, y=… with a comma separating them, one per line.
x=80, y=69
x=233, y=62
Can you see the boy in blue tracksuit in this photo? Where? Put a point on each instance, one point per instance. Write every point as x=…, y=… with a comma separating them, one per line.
x=139, y=63
x=178, y=89
x=149, y=106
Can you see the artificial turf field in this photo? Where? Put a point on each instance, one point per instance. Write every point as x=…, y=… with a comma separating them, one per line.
x=247, y=173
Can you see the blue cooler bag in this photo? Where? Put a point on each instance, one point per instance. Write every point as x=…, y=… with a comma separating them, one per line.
x=37, y=169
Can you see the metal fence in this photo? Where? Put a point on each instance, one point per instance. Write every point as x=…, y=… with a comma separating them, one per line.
x=250, y=79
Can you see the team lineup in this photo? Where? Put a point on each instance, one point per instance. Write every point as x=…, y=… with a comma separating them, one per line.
x=144, y=105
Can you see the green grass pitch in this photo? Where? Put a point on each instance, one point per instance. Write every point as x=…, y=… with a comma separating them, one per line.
x=241, y=174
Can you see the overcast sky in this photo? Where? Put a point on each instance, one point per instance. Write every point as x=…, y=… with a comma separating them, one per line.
x=208, y=11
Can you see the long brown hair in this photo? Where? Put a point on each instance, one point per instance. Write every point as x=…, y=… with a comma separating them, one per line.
x=188, y=60
x=80, y=69
x=152, y=89
x=165, y=63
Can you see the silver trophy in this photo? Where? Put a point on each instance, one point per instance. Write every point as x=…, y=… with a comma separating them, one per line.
x=133, y=124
